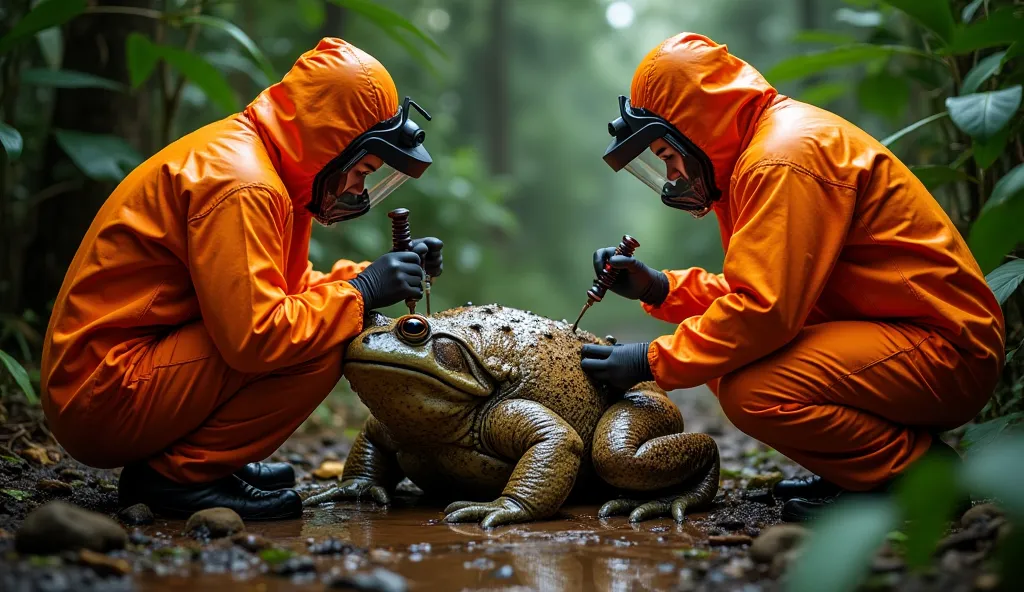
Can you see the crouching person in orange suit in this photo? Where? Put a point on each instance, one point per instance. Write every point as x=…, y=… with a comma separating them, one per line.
x=191, y=336
x=850, y=323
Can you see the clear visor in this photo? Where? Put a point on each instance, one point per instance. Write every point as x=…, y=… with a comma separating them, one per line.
x=683, y=190
x=346, y=197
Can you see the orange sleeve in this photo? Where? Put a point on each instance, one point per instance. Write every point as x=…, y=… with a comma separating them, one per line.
x=343, y=270
x=790, y=229
x=236, y=258
x=690, y=293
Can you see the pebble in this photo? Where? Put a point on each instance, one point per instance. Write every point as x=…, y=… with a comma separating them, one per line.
x=480, y=563
x=329, y=469
x=70, y=475
x=730, y=539
x=251, y=542
x=59, y=526
x=503, y=573
x=104, y=565
x=981, y=512
x=776, y=540
x=216, y=522
x=378, y=580
x=137, y=537
x=295, y=565
x=55, y=487
x=333, y=546
x=136, y=515
x=986, y=581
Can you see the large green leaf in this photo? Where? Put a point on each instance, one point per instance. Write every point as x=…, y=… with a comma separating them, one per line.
x=987, y=152
x=1005, y=279
x=1003, y=27
x=889, y=141
x=994, y=471
x=825, y=37
x=67, y=79
x=46, y=14
x=998, y=228
x=885, y=94
x=142, y=56
x=841, y=544
x=387, y=19
x=934, y=176
x=11, y=141
x=859, y=18
x=17, y=371
x=989, y=66
x=847, y=55
x=969, y=11
x=823, y=93
x=978, y=435
x=927, y=502
x=100, y=157
x=196, y=70
x=934, y=15
x=257, y=56
x=230, y=59
x=982, y=115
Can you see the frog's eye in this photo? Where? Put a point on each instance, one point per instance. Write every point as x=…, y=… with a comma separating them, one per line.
x=413, y=329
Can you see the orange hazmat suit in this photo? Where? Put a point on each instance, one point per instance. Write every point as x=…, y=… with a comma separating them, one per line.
x=191, y=328
x=850, y=320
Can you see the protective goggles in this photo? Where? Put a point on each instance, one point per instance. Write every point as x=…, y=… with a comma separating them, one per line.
x=633, y=133
x=397, y=141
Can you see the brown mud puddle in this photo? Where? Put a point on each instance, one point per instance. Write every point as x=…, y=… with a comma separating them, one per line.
x=574, y=551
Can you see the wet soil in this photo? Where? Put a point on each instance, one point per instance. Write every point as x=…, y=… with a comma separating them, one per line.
x=407, y=546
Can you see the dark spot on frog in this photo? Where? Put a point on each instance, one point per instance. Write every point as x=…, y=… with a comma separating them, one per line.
x=506, y=328
x=476, y=326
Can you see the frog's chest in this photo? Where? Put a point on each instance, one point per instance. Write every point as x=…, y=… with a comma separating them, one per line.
x=453, y=470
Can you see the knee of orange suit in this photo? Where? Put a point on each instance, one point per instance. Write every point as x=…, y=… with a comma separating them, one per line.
x=745, y=403
x=320, y=374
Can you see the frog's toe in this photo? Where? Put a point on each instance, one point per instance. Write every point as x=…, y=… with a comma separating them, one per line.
x=639, y=511
x=458, y=506
x=617, y=507
x=490, y=514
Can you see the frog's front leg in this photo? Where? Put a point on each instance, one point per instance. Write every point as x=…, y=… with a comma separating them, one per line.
x=371, y=468
x=640, y=447
x=547, y=452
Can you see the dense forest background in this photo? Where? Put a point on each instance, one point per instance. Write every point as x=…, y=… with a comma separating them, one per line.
x=520, y=94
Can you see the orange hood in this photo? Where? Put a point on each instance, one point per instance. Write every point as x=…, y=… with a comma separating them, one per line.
x=332, y=94
x=710, y=96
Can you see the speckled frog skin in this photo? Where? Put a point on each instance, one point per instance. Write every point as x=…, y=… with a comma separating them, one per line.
x=488, y=405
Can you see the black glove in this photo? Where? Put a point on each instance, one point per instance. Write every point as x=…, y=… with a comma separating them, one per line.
x=620, y=365
x=636, y=280
x=429, y=250
x=392, y=278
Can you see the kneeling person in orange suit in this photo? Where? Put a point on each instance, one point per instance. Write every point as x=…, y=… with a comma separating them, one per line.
x=850, y=323
x=191, y=336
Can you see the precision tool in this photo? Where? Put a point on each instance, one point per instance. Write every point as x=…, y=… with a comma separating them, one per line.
x=607, y=276
x=401, y=240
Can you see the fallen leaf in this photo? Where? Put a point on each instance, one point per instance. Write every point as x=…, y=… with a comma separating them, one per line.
x=40, y=455
x=17, y=494
x=329, y=469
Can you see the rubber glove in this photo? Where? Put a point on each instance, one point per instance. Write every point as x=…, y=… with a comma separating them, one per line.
x=621, y=365
x=636, y=281
x=429, y=250
x=392, y=278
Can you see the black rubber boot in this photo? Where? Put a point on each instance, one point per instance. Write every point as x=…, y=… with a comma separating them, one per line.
x=267, y=476
x=139, y=483
x=804, y=487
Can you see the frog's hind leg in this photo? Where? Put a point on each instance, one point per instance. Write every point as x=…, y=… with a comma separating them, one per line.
x=639, y=446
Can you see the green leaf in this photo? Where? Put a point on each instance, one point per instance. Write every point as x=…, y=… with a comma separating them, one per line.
x=998, y=229
x=100, y=157
x=232, y=60
x=994, y=471
x=67, y=79
x=1004, y=279
x=859, y=18
x=988, y=152
x=51, y=46
x=934, y=176
x=827, y=37
x=989, y=66
x=17, y=494
x=982, y=115
x=812, y=63
x=889, y=141
x=885, y=94
x=980, y=435
x=1016, y=50
x=142, y=57
x=312, y=13
x=257, y=56
x=46, y=14
x=387, y=19
x=20, y=376
x=11, y=141
x=927, y=502
x=968, y=13
x=840, y=546
x=203, y=75
x=1003, y=27
x=823, y=93
x=934, y=15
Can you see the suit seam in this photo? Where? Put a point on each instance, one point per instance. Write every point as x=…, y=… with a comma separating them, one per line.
x=901, y=351
x=152, y=299
x=802, y=169
x=231, y=192
x=895, y=266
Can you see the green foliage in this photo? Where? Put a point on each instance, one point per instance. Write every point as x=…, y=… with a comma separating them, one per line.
x=17, y=494
x=983, y=115
x=988, y=66
x=67, y=79
x=101, y=157
x=46, y=14
x=393, y=24
x=847, y=55
x=20, y=376
x=998, y=228
x=980, y=435
x=1005, y=279
x=926, y=515
x=10, y=140
x=254, y=52
x=935, y=15
x=937, y=175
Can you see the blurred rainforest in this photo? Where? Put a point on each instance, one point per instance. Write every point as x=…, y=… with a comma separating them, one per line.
x=520, y=94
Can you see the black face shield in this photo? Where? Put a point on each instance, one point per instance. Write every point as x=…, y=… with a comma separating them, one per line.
x=633, y=133
x=397, y=141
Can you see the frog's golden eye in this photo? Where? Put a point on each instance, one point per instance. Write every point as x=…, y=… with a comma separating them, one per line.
x=413, y=329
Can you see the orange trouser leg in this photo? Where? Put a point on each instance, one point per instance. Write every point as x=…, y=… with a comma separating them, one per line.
x=194, y=418
x=854, y=402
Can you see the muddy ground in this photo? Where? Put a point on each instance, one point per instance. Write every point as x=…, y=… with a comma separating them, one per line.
x=408, y=547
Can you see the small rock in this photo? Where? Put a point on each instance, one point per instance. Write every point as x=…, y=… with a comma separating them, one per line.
x=329, y=469
x=54, y=487
x=297, y=459
x=776, y=540
x=333, y=546
x=981, y=512
x=986, y=582
x=71, y=475
x=136, y=515
x=738, y=567
x=295, y=565
x=251, y=542
x=381, y=556
x=480, y=563
x=379, y=580
x=137, y=537
x=219, y=522
x=503, y=573
x=106, y=485
x=40, y=455
x=104, y=565
x=764, y=481
x=730, y=524
x=58, y=526
x=730, y=539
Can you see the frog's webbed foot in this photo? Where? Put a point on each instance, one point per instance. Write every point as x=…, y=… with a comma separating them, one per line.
x=351, y=489
x=641, y=510
x=503, y=510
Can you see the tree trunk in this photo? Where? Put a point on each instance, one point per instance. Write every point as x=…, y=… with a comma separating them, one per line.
x=94, y=43
x=495, y=79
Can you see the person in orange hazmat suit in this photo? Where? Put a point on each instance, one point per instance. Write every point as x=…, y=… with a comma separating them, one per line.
x=850, y=323
x=191, y=335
